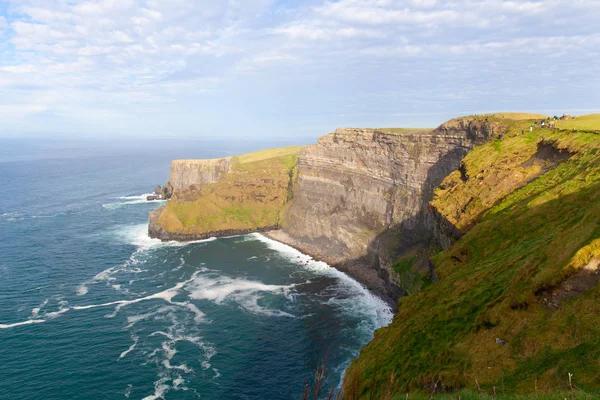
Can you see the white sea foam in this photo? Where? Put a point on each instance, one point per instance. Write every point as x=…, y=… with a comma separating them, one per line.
x=160, y=389
x=136, y=197
x=166, y=295
x=132, y=347
x=131, y=200
x=136, y=235
x=358, y=299
x=246, y=293
x=28, y=322
x=172, y=372
x=128, y=391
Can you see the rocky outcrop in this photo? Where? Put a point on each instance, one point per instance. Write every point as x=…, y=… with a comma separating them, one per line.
x=190, y=172
x=361, y=195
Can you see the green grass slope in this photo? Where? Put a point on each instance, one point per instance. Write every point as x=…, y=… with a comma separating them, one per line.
x=583, y=122
x=525, y=271
x=251, y=196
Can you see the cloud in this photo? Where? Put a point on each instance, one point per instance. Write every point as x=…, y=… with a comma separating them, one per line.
x=142, y=57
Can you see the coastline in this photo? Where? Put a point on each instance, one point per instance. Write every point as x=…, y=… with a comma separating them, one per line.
x=365, y=276
x=354, y=269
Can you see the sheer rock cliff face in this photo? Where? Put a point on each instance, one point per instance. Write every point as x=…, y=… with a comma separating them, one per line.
x=198, y=172
x=361, y=196
x=359, y=199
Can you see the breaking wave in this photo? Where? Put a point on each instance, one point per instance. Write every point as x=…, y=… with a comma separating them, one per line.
x=131, y=200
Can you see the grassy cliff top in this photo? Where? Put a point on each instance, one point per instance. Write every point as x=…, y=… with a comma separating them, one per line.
x=258, y=155
x=583, y=122
x=524, y=273
x=250, y=196
x=518, y=116
x=290, y=151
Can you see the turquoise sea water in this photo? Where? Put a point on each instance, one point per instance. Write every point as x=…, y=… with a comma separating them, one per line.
x=92, y=308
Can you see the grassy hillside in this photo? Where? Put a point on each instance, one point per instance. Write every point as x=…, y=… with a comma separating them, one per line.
x=519, y=116
x=251, y=196
x=583, y=122
x=525, y=272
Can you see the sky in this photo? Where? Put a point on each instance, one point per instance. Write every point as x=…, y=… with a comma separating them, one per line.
x=239, y=69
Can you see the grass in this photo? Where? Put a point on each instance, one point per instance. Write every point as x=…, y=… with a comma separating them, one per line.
x=285, y=152
x=518, y=116
x=251, y=196
x=520, y=240
x=584, y=122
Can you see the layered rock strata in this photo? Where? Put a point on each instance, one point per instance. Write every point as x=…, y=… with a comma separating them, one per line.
x=358, y=200
x=198, y=172
x=361, y=195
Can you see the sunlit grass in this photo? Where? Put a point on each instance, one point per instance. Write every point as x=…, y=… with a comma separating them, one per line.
x=524, y=233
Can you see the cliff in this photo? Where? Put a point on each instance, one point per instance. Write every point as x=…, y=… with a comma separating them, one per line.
x=358, y=201
x=224, y=197
x=490, y=228
x=198, y=172
x=361, y=195
x=518, y=277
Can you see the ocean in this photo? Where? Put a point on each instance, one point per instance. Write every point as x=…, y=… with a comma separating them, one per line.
x=92, y=308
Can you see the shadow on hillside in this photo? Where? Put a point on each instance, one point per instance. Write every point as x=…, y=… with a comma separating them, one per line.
x=414, y=234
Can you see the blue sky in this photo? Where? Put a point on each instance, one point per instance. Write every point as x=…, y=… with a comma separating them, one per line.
x=265, y=68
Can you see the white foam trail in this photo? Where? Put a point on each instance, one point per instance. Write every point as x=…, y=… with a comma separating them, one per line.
x=166, y=295
x=130, y=349
x=160, y=389
x=28, y=322
x=131, y=200
x=243, y=292
x=128, y=391
x=138, y=197
x=132, y=320
x=136, y=235
x=173, y=372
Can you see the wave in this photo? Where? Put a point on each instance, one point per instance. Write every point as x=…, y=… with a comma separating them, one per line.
x=137, y=235
x=131, y=200
x=131, y=348
x=173, y=372
x=136, y=197
x=28, y=322
x=244, y=292
x=355, y=299
x=166, y=295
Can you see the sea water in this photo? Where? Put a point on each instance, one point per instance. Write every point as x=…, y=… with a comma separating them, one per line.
x=92, y=308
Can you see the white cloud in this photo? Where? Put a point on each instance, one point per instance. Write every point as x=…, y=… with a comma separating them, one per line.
x=121, y=56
